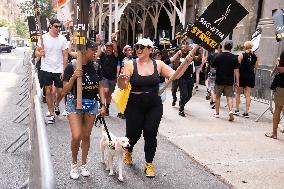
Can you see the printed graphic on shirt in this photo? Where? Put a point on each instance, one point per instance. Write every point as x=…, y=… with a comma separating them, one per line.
x=89, y=84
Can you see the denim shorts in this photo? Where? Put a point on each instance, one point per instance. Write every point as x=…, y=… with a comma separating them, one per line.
x=71, y=106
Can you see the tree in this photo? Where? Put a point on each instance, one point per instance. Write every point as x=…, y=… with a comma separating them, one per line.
x=46, y=8
x=3, y=23
x=21, y=27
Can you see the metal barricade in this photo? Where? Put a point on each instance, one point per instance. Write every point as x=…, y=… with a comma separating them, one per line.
x=41, y=167
x=262, y=93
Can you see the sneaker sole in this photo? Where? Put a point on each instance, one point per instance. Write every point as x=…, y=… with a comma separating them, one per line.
x=74, y=178
x=149, y=176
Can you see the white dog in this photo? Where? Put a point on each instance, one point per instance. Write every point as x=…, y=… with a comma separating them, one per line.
x=116, y=147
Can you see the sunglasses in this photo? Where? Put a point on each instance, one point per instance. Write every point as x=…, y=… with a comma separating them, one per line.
x=141, y=47
x=57, y=26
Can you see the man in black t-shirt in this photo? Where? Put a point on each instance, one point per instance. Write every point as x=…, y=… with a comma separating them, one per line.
x=110, y=68
x=185, y=82
x=227, y=71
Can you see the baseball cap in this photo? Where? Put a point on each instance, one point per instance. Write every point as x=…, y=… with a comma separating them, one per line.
x=125, y=48
x=53, y=21
x=108, y=44
x=145, y=42
x=90, y=44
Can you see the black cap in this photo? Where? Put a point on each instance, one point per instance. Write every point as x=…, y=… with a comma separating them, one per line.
x=90, y=44
x=53, y=21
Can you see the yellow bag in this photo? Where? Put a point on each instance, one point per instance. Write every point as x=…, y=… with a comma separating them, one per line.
x=120, y=98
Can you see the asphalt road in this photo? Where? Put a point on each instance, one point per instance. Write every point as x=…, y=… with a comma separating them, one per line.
x=174, y=168
x=14, y=168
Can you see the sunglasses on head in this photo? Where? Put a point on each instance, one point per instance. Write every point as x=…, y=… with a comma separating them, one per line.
x=141, y=47
x=57, y=26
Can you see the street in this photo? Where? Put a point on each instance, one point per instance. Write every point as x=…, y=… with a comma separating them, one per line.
x=14, y=168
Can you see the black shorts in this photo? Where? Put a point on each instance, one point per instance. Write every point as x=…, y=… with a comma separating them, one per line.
x=48, y=79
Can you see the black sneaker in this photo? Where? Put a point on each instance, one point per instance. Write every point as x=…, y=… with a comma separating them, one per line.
x=213, y=107
x=56, y=110
x=211, y=103
x=246, y=115
x=174, y=102
x=51, y=120
x=236, y=112
x=181, y=113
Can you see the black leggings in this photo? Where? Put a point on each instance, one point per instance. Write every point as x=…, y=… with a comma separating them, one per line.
x=185, y=87
x=144, y=113
x=174, y=89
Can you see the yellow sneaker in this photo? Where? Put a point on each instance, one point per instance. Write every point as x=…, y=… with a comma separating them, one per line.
x=149, y=170
x=128, y=158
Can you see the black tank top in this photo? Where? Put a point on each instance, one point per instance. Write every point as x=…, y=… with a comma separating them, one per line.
x=149, y=83
x=248, y=63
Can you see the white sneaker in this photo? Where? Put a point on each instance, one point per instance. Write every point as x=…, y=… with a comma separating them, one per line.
x=64, y=113
x=74, y=173
x=84, y=171
x=47, y=114
x=216, y=115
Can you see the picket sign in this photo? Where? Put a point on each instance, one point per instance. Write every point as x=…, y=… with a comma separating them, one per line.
x=217, y=21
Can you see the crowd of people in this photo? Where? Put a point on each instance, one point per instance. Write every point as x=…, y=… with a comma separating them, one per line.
x=105, y=66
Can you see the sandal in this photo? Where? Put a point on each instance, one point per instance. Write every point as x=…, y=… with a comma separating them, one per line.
x=270, y=135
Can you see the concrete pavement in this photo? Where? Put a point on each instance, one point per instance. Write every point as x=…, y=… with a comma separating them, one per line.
x=236, y=151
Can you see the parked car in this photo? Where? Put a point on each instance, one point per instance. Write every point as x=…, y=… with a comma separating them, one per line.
x=6, y=48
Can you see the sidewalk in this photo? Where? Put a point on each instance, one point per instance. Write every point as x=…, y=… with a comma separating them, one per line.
x=236, y=151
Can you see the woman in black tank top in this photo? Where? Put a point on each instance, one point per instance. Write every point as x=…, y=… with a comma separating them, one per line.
x=248, y=63
x=144, y=108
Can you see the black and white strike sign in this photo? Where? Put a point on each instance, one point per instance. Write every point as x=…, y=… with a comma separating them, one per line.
x=278, y=18
x=217, y=21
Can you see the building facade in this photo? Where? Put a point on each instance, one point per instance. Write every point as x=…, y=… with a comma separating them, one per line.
x=9, y=10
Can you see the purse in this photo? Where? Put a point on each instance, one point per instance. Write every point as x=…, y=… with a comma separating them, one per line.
x=120, y=98
x=275, y=82
x=88, y=104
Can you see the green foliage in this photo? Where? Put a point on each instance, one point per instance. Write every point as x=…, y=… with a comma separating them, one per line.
x=21, y=27
x=45, y=6
x=3, y=23
x=239, y=47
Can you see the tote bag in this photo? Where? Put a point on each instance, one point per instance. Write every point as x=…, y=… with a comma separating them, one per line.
x=120, y=98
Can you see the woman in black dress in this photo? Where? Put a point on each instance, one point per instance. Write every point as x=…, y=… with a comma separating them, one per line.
x=248, y=62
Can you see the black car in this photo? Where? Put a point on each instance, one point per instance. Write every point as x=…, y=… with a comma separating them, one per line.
x=5, y=48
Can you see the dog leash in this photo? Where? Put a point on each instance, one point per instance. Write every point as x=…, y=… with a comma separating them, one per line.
x=102, y=121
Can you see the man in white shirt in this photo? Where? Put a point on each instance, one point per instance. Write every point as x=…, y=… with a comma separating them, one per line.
x=54, y=58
